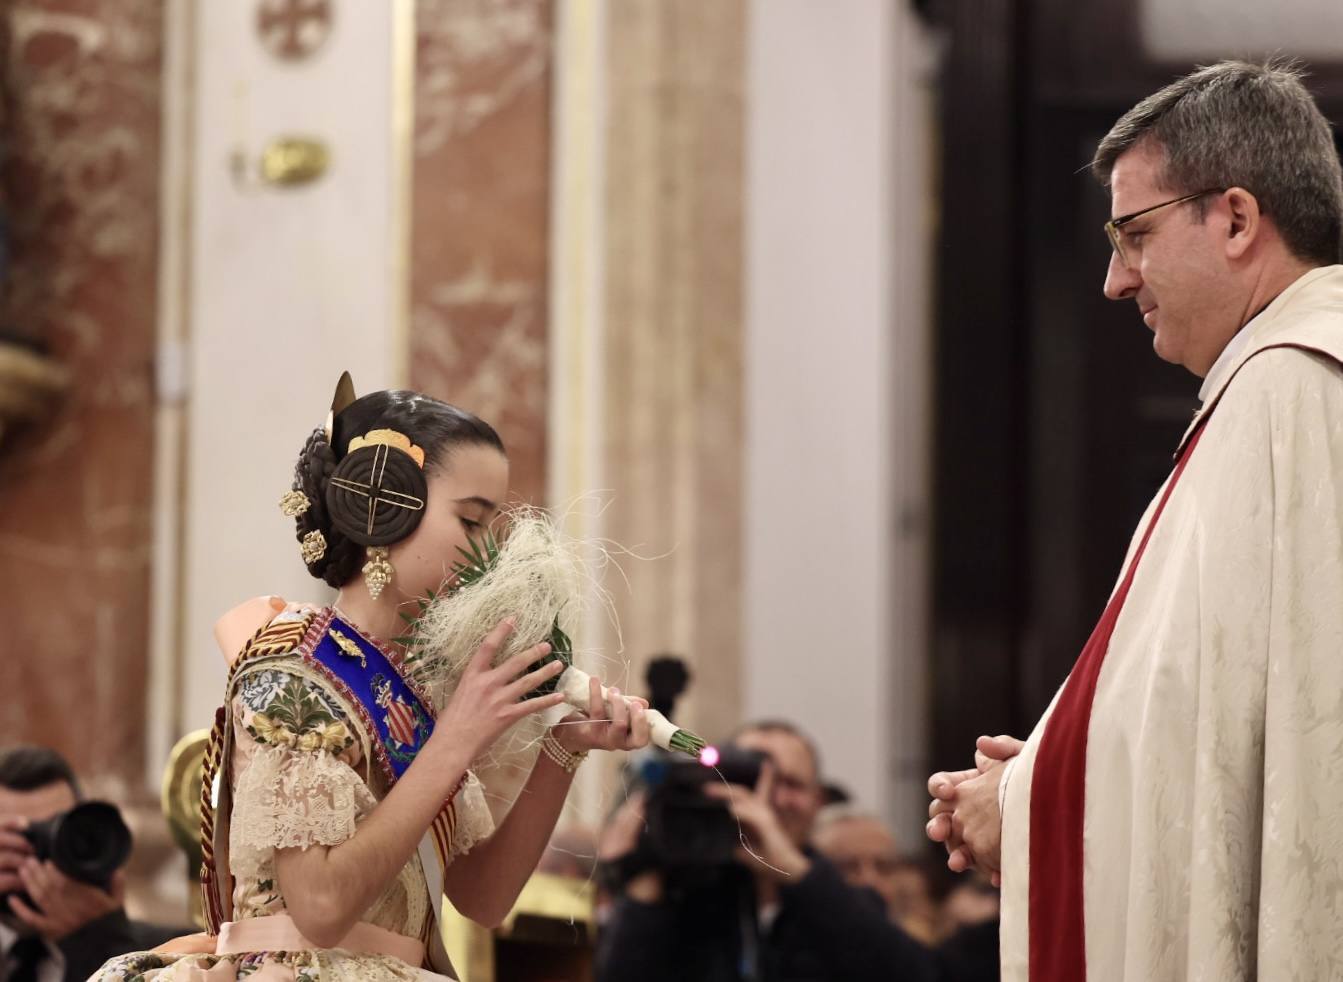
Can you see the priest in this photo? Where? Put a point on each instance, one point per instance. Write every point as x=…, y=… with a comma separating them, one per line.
x=1178, y=811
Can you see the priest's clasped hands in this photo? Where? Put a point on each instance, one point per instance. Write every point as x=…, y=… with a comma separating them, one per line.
x=964, y=814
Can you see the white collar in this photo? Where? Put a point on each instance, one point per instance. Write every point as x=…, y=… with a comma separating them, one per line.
x=10, y=937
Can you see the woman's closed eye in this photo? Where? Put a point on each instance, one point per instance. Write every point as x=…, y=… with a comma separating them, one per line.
x=471, y=527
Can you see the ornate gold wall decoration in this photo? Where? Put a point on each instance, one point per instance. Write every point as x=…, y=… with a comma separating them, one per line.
x=82, y=86
x=294, y=160
x=294, y=30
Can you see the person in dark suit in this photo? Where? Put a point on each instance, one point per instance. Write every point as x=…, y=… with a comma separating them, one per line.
x=52, y=927
x=780, y=913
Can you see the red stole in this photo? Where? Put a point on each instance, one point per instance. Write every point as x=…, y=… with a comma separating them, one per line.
x=1057, y=928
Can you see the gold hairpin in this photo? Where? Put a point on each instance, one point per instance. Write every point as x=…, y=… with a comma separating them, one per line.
x=343, y=397
x=313, y=546
x=374, y=491
x=294, y=503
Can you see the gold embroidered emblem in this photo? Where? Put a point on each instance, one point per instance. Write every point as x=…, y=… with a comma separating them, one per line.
x=348, y=647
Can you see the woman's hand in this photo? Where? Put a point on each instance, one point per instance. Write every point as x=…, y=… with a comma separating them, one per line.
x=489, y=700
x=626, y=729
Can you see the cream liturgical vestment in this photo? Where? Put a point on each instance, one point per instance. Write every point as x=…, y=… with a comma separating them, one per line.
x=1178, y=812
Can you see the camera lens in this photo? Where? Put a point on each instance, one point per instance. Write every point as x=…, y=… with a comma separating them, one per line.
x=685, y=828
x=90, y=842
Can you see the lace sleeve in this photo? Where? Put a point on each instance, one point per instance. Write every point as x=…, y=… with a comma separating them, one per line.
x=474, y=821
x=296, y=785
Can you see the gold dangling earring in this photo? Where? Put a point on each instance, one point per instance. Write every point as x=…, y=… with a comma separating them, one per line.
x=377, y=571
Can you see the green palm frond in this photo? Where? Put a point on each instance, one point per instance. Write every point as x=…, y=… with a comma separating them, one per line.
x=479, y=558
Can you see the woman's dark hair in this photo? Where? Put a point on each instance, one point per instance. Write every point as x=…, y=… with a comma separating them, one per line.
x=435, y=427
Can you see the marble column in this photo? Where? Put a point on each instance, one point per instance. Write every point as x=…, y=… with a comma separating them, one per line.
x=673, y=444
x=479, y=234
x=481, y=195
x=82, y=88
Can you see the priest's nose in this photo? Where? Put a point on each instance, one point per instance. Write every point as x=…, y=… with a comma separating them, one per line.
x=1121, y=283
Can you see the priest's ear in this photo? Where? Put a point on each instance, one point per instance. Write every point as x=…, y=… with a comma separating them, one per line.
x=1246, y=225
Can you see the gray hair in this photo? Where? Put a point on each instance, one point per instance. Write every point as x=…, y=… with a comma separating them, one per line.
x=845, y=812
x=1236, y=124
x=781, y=726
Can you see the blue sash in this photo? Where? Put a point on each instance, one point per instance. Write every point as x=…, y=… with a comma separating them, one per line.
x=392, y=711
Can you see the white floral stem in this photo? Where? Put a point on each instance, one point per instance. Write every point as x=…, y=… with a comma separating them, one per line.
x=575, y=683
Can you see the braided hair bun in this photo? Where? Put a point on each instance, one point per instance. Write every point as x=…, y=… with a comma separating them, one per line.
x=399, y=503
x=343, y=558
x=341, y=515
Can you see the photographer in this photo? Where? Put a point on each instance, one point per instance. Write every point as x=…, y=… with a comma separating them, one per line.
x=52, y=927
x=776, y=913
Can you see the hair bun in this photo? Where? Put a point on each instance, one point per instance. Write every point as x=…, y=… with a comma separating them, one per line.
x=376, y=495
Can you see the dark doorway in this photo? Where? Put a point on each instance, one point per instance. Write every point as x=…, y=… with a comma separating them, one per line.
x=1055, y=422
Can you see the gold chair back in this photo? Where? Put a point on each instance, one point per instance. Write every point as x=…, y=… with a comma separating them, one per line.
x=181, y=802
x=549, y=934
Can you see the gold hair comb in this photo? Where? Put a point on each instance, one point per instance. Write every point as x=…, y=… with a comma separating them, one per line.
x=390, y=438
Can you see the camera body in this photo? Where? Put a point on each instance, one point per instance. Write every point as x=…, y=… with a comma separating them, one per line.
x=88, y=843
x=686, y=829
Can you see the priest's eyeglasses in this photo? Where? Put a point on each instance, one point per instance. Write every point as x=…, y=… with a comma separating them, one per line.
x=1114, y=228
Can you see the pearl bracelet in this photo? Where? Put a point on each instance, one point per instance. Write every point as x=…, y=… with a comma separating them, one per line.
x=553, y=749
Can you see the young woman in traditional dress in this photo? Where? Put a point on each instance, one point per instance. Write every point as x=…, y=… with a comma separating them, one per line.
x=343, y=804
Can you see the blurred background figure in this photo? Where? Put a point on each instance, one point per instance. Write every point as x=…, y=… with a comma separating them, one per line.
x=61, y=880
x=722, y=854
x=956, y=918
x=862, y=848
x=968, y=918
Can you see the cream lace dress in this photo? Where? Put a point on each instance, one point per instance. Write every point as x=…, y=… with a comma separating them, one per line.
x=302, y=777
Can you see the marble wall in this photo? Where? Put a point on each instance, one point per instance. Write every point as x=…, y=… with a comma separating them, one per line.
x=480, y=217
x=81, y=174
x=81, y=138
x=82, y=170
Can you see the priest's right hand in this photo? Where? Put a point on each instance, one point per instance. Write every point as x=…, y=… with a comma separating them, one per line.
x=989, y=749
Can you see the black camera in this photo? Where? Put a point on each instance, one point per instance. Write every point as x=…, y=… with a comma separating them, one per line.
x=686, y=829
x=688, y=836
x=88, y=843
